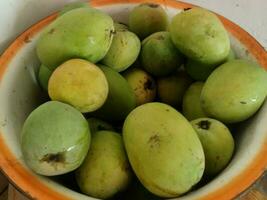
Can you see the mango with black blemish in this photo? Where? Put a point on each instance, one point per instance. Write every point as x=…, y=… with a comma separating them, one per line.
x=163, y=149
x=217, y=142
x=55, y=139
x=143, y=85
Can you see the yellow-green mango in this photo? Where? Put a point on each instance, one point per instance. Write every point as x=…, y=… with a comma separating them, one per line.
x=80, y=33
x=105, y=170
x=217, y=142
x=123, y=51
x=200, y=35
x=163, y=149
x=234, y=91
x=147, y=18
x=55, y=139
x=191, y=102
x=80, y=84
x=143, y=85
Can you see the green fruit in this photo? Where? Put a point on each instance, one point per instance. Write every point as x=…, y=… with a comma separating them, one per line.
x=55, y=139
x=200, y=35
x=43, y=76
x=105, y=170
x=72, y=6
x=159, y=56
x=81, y=33
x=217, y=142
x=143, y=85
x=171, y=89
x=147, y=18
x=231, y=56
x=85, y=88
x=121, y=99
x=234, y=91
x=124, y=50
x=163, y=148
x=98, y=125
x=191, y=102
x=198, y=71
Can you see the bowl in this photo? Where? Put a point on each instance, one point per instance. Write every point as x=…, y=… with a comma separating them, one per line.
x=20, y=94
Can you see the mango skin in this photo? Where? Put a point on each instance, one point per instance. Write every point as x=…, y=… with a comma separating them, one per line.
x=55, y=139
x=217, y=142
x=147, y=18
x=200, y=35
x=123, y=51
x=171, y=89
x=72, y=6
x=143, y=85
x=159, y=56
x=98, y=125
x=105, y=170
x=234, y=91
x=121, y=98
x=80, y=33
x=163, y=148
x=79, y=83
x=43, y=76
x=191, y=102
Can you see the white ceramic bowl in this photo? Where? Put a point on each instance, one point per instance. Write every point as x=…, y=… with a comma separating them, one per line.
x=20, y=94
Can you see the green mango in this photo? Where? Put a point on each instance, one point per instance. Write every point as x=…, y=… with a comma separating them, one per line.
x=171, y=89
x=55, y=139
x=98, y=125
x=143, y=85
x=200, y=35
x=163, y=149
x=191, y=102
x=147, y=18
x=43, y=76
x=159, y=56
x=85, y=88
x=80, y=33
x=124, y=50
x=198, y=71
x=217, y=142
x=234, y=91
x=72, y=6
x=105, y=170
x=121, y=98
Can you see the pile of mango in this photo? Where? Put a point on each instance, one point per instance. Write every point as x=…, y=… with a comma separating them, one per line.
x=143, y=110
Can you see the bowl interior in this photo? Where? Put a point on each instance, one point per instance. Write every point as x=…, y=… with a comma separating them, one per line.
x=20, y=94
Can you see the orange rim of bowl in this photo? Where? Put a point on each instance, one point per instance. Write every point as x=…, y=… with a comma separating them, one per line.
x=34, y=188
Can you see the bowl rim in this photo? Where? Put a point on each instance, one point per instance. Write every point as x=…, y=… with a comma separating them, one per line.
x=34, y=188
